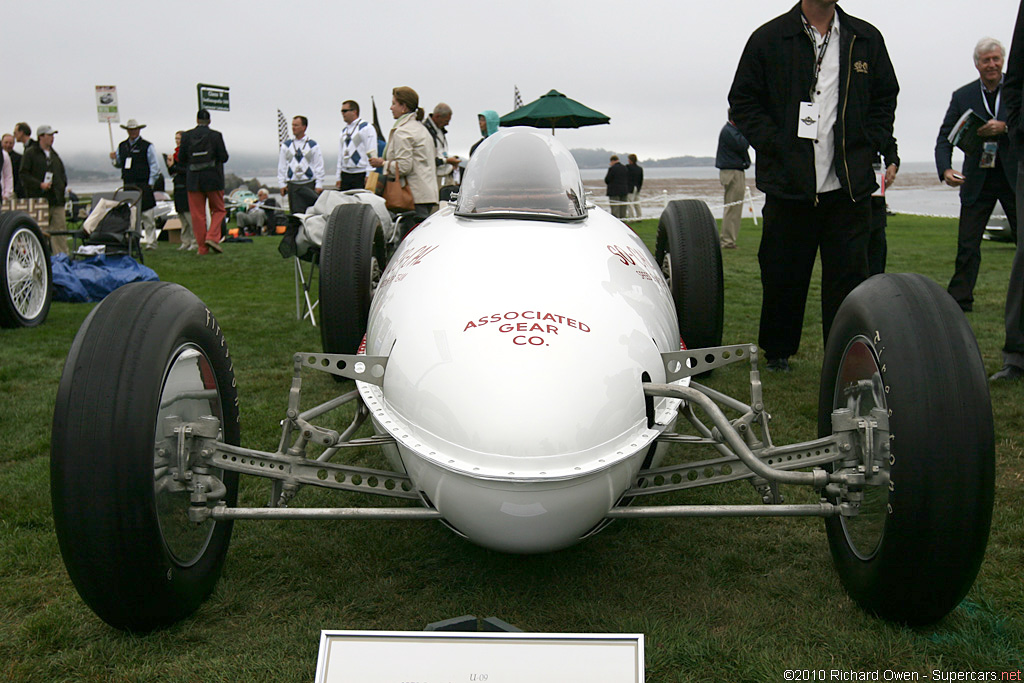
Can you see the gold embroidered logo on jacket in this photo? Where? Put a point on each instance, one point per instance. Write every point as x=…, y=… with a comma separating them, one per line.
x=860, y=67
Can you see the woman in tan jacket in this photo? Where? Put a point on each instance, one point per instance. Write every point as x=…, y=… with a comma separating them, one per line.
x=409, y=155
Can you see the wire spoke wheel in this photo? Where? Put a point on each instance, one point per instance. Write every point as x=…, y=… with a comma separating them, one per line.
x=26, y=279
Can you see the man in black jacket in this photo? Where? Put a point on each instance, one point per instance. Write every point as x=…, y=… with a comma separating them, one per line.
x=43, y=176
x=982, y=181
x=617, y=180
x=815, y=94
x=203, y=154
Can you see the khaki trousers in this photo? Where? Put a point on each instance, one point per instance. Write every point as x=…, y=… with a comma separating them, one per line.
x=734, y=182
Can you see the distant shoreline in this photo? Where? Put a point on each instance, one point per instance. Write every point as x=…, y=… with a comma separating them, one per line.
x=917, y=189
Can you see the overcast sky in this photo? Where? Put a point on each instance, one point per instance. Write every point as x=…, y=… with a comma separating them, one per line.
x=660, y=69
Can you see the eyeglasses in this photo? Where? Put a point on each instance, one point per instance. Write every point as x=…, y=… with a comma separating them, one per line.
x=345, y=111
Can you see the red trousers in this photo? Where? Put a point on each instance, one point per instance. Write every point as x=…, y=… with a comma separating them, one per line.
x=197, y=207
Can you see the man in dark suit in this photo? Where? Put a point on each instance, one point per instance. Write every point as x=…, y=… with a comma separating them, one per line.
x=989, y=173
x=1013, y=347
x=203, y=153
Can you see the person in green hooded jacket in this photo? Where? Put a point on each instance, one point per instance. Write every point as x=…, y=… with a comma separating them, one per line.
x=488, y=126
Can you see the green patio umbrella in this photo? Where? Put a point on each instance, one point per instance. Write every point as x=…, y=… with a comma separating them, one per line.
x=554, y=110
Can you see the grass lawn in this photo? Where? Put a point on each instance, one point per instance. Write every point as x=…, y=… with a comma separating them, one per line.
x=717, y=600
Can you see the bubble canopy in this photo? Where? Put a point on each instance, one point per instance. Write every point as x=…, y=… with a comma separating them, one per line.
x=522, y=173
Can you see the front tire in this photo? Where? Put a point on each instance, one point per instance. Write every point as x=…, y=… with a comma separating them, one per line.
x=352, y=259
x=901, y=344
x=150, y=352
x=688, y=253
x=26, y=279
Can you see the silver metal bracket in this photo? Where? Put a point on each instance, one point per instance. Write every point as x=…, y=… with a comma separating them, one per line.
x=368, y=369
x=679, y=364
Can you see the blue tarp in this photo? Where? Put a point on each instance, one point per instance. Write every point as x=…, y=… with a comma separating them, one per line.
x=93, y=278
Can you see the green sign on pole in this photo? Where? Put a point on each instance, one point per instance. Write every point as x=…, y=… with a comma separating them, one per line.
x=213, y=97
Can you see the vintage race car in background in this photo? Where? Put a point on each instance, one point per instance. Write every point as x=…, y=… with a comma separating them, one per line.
x=518, y=355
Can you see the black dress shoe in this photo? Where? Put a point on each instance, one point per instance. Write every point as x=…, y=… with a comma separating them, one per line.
x=1009, y=373
x=778, y=365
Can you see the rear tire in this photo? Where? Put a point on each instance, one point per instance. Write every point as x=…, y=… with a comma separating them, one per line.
x=914, y=550
x=352, y=259
x=26, y=278
x=688, y=253
x=124, y=533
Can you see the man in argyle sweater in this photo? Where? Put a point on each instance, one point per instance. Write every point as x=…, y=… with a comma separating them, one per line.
x=357, y=144
x=300, y=168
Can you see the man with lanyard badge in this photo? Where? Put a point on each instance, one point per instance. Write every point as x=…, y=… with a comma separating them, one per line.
x=813, y=93
x=136, y=158
x=989, y=171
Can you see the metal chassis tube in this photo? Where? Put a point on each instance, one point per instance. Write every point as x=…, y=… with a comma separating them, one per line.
x=817, y=478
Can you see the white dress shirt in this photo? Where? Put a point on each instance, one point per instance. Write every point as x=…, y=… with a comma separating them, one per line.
x=826, y=95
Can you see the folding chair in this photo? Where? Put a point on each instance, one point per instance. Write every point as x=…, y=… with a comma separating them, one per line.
x=119, y=240
x=303, y=284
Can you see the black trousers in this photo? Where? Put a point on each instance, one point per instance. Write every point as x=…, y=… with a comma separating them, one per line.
x=877, y=246
x=973, y=219
x=794, y=232
x=301, y=196
x=352, y=181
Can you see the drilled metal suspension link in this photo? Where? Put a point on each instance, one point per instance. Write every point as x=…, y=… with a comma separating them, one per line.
x=299, y=470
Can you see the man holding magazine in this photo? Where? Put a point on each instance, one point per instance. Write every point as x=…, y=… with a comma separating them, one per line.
x=990, y=165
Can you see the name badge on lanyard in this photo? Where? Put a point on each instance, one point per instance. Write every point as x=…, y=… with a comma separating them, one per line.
x=809, y=113
x=989, y=149
x=807, y=121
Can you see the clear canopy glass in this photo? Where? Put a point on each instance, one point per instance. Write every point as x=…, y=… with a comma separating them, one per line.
x=522, y=173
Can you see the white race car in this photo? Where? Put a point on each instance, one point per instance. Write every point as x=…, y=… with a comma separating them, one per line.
x=524, y=361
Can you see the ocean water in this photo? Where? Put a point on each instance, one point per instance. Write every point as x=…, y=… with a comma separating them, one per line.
x=924, y=195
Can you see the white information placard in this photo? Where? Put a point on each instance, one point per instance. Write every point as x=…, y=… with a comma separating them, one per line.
x=106, y=104
x=488, y=657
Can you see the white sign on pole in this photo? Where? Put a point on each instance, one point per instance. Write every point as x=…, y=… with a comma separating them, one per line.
x=494, y=657
x=106, y=104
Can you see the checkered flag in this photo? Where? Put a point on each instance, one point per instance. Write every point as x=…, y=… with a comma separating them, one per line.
x=282, y=128
x=518, y=100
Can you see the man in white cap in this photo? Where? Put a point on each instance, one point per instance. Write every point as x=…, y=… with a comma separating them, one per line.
x=43, y=176
x=136, y=158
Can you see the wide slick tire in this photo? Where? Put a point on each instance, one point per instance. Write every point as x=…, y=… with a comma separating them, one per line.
x=915, y=548
x=687, y=250
x=150, y=355
x=26, y=278
x=352, y=259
